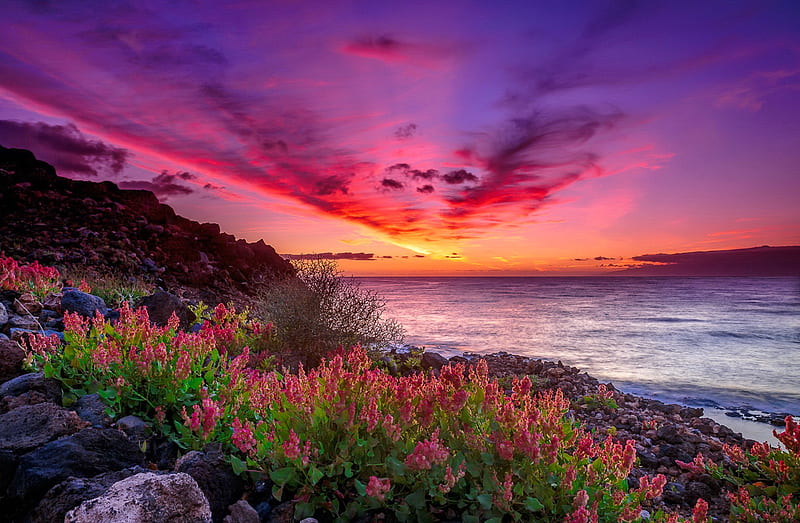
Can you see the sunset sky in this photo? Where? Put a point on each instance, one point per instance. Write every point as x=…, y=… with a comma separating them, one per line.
x=436, y=137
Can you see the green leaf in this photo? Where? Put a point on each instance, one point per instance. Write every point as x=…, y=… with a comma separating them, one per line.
x=487, y=458
x=238, y=465
x=303, y=510
x=315, y=475
x=485, y=500
x=533, y=504
x=416, y=499
x=348, y=469
x=282, y=476
x=494, y=520
x=360, y=488
x=469, y=518
x=395, y=466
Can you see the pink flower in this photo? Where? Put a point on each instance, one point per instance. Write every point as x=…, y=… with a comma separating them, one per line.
x=428, y=453
x=378, y=487
x=700, y=511
x=791, y=436
x=291, y=447
x=243, y=437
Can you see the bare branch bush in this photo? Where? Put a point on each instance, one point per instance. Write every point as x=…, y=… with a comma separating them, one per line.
x=321, y=310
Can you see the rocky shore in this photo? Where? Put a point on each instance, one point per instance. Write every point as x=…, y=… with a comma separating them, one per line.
x=55, y=458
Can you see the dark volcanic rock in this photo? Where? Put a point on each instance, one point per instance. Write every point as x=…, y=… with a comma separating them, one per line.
x=91, y=409
x=83, y=303
x=11, y=358
x=30, y=426
x=49, y=389
x=433, y=360
x=162, y=305
x=214, y=476
x=85, y=454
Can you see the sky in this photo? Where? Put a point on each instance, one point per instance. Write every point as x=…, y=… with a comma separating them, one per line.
x=461, y=138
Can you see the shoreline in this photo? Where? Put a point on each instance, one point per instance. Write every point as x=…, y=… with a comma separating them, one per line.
x=742, y=421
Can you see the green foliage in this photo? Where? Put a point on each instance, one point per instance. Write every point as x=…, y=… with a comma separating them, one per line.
x=115, y=289
x=319, y=311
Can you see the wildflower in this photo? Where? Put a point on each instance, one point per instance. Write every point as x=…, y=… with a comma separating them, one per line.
x=791, y=436
x=700, y=511
x=508, y=485
x=734, y=452
x=243, y=437
x=428, y=453
x=451, y=479
x=378, y=487
x=291, y=447
x=697, y=466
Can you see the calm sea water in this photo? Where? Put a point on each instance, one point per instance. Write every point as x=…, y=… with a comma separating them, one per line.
x=697, y=341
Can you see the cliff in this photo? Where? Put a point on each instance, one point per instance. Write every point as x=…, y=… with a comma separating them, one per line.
x=69, y=223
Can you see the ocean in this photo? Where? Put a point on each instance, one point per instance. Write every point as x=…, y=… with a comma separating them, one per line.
x=711, y=342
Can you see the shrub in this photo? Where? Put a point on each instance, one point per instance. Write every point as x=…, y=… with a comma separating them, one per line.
x=320, y=310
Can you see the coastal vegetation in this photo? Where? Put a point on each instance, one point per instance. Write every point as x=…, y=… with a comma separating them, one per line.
x=346, y=438
x=318, y=310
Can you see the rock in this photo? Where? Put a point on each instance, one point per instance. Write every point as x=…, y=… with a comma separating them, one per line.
x=242, y=512
x=673, y=492
x=134, y=427
x=73, y=491
x=8, y=464
x=215, y=477
x=433, y=360
x=91, y=409
x=85, y=454
x=31, y=426
x=696, y=490
x=82, y=303
x=3, y=315
x=27, y=304
x=161, y=305
x=669, y=433
x=146, y=497
x=283, y=513
x=11, y=358
x=26, y=322
x=32, y=382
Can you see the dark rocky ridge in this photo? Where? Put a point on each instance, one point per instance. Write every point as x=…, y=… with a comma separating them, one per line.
x=68, y=223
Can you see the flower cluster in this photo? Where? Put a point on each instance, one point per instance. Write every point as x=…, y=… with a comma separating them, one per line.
x=34, y=278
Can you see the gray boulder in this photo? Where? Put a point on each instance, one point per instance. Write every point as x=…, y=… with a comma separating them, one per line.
x=73, y=491
x=82, y=303
x=146, y=497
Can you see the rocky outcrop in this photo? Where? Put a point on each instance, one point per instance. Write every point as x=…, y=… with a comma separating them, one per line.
x=146, y=497
x=69, y=223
